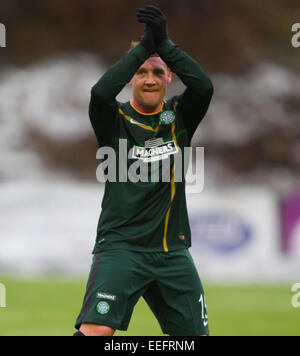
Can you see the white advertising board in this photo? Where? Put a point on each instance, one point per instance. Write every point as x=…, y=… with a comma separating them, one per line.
x=235, y=232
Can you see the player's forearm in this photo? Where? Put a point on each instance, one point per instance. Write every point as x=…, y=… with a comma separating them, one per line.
x=187, y=69
x=117, y=76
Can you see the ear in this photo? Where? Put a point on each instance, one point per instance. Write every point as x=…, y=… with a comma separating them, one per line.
x=169, y=76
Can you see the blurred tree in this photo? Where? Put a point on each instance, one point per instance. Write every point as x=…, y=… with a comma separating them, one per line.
x=224, y=36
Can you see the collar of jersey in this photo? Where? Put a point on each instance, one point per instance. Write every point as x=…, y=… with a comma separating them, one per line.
x=150, y=113
x=144, y=126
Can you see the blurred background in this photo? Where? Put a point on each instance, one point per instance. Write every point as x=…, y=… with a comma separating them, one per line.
x=246, y=222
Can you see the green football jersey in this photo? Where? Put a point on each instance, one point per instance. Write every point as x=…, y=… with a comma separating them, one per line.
x=144, y=206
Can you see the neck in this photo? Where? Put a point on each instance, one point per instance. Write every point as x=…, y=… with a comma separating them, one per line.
x=144, y=110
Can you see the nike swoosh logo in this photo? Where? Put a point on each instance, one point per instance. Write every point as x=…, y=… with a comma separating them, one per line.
x=134, y=122
x=205, y=323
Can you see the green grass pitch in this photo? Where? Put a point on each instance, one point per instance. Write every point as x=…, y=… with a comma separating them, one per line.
x=50, y=307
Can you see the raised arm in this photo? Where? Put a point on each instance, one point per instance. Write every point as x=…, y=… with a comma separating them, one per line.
x=103, y=104
x=194, y=102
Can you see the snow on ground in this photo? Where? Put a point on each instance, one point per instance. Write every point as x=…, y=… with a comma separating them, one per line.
x=53, y=97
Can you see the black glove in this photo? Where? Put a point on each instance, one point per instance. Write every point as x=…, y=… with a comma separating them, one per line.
x=147, y=40
x=157, y=21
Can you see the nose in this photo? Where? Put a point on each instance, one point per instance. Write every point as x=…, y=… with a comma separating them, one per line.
x=150, y=80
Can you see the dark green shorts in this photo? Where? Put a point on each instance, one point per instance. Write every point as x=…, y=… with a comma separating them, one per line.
x=169, y=283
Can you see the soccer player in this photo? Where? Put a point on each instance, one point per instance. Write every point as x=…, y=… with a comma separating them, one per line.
x=143, y=235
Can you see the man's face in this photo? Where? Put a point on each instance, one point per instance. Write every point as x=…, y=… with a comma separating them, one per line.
x=149, y=84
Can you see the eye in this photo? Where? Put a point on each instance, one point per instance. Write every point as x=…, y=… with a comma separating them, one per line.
x=159, y=72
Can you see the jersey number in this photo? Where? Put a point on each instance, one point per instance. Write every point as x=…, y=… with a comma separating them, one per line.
x=203, y=306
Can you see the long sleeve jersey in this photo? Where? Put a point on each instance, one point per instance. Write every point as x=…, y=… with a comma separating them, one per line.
x=149, y=214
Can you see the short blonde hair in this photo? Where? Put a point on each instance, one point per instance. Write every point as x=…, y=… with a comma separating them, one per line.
x=133, y=44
